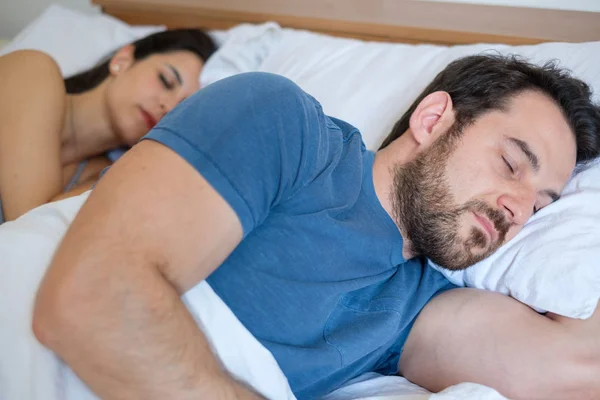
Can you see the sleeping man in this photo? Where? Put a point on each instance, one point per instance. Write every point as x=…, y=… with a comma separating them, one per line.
x=318, y=246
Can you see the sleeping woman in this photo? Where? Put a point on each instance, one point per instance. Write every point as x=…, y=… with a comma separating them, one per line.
x=54, y=133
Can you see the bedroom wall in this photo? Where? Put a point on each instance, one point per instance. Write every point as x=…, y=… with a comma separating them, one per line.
x=575, y=5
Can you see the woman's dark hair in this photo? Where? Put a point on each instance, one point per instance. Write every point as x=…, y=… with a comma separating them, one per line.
x=193, y=40
x=482, y=83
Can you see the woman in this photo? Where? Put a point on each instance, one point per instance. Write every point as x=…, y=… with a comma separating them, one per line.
x=54, y=132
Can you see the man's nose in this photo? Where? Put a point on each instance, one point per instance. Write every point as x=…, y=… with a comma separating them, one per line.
x=518, y=205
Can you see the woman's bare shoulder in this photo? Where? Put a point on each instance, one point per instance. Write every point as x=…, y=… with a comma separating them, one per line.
x=32, y=80
x=32, y=115
x=30, y=59
x=31, y=66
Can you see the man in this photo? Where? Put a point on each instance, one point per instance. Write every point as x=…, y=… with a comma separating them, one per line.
x=318, y=245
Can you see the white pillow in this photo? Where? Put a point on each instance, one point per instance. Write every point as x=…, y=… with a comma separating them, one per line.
x=371, y=84
x=77, y=41
x=242, y=48
x=548, y=266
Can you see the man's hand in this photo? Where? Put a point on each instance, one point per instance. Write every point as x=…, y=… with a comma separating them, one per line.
x=110, y=304
x=469, y=335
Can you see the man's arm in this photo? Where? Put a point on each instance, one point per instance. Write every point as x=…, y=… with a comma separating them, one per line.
x=468, y=335
x=110, y=302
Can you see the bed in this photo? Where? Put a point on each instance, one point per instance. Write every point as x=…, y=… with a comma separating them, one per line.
x=401, y=21
x=314, y=41
x=417, y=28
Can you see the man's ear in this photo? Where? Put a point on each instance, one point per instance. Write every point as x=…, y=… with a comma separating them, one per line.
x=433, y=117
x=122, y=60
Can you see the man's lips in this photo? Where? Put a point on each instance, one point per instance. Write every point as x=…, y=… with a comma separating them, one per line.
x=488, y=226
x=150, y=121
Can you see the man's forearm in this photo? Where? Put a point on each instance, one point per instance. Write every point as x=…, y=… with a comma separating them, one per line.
x=130, y=336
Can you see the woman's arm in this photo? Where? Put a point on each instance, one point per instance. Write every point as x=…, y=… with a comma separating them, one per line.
x=86, y=179
x=78, y=189
x=32, y=109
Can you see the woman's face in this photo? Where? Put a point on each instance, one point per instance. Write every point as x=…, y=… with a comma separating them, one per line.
x=140, y=93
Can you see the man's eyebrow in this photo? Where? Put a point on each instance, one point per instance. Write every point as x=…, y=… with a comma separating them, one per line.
x=176, y=73
x=524, y=147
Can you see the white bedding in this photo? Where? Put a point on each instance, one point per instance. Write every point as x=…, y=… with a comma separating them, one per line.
x=28, y=371
x=368, y=84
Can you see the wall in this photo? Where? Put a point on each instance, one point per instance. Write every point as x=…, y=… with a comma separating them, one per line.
x=575, y=5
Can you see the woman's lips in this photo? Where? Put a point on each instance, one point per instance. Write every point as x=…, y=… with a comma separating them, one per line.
x=148, y=118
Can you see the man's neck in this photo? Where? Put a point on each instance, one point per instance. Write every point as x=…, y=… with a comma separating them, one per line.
x=397, y=153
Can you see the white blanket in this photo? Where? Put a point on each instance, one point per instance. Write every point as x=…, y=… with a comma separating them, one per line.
x=28, y=371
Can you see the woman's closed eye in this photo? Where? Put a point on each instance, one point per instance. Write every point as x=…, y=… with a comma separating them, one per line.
x=165, y=82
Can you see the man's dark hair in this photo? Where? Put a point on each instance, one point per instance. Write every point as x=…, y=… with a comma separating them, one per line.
x=483, y=83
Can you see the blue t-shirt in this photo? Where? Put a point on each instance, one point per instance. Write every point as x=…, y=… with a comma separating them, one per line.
x=319, y=278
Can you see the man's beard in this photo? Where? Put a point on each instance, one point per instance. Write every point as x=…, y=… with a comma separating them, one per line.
x=428, y=216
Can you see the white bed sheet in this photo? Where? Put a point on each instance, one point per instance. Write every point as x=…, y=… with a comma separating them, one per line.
x=28, y=371
x=372, y=386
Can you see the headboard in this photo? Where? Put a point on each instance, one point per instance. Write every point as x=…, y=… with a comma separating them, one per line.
x=408, y=21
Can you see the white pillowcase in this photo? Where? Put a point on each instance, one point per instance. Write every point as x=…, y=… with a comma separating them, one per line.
x=371, y=84
x=241, y=49
x=551, y=264
x=77, y=41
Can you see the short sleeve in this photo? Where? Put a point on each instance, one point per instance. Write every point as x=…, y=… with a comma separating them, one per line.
x=257, y=138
